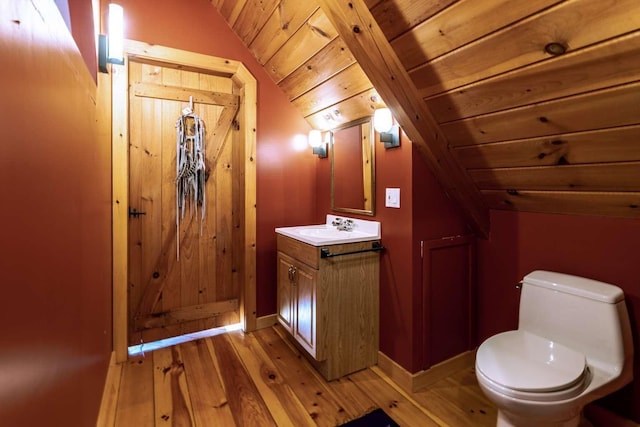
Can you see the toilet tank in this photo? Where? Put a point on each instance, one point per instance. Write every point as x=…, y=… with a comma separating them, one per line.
x=583, y=314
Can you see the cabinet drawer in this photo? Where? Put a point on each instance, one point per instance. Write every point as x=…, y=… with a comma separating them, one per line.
x=301, y=251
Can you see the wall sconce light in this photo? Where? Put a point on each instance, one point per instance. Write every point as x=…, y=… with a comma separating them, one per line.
x=383, y=124
x=316, y=142
x=111, y=47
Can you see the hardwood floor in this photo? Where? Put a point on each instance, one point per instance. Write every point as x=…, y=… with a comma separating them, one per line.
x=260, y=379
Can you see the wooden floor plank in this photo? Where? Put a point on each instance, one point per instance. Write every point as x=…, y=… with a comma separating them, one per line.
x=351, y=398
x=246, y=404
x=465, y=392
x=459, y=399
x=322, y=405
x=208, y=397
x=279, y=397
x=391, y=400
x=170, y=393
x=262, y=379
x=436, y=403
x=478, y=411
x=135, y=400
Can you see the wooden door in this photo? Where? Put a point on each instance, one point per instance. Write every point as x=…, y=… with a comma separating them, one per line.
x=181, y=279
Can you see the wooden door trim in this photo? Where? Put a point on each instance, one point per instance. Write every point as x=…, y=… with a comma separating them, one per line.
x=245, y=87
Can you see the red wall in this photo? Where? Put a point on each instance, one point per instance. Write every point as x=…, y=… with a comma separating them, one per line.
x=397, y=278
x=55, y=249
x=435, y=216
x=81, y=14
x=604, y=249
x=286, y=177
x=425, y=213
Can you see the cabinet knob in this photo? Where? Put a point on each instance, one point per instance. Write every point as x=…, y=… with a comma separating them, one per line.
x=292, y=274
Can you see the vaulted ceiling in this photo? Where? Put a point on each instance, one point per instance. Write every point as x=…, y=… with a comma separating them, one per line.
x=524, y=105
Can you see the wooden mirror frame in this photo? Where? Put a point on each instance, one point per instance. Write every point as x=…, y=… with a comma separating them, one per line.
x=367, y=139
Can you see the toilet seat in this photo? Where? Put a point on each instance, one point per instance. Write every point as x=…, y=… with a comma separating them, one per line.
x=526, y=366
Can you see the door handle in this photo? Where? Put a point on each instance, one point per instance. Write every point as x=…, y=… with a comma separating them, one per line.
x=292, y=274
x=134, y=213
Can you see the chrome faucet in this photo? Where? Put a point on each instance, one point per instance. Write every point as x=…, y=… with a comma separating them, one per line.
x=343, y=224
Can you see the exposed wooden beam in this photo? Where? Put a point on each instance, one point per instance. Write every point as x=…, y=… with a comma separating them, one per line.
x=362, y=34
x=601, y=203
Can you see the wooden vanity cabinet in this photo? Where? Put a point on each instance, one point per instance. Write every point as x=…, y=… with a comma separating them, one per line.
x=329, y=306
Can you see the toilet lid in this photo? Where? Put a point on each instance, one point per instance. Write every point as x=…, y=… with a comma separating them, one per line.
x=523, y=361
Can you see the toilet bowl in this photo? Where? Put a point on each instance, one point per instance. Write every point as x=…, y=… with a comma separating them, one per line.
x=572, y=346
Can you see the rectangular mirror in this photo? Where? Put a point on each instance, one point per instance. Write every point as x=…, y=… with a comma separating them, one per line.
x=353, y=168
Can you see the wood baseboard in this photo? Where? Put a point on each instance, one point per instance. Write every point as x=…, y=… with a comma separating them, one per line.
x=596, y=414
x=413, y=382
x=266, y=321
x=397, y=373
x=107, y=411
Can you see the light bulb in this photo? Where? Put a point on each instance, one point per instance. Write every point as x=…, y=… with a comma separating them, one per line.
x=382, y=120
x=315, y=138
x=116, y=33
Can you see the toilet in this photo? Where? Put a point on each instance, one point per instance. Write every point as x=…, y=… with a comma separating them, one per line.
x=573, y=345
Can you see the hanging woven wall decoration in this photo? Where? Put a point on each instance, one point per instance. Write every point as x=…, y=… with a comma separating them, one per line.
x=190, y=168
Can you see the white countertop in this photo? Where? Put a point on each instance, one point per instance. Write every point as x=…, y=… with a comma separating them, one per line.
x=327, y=234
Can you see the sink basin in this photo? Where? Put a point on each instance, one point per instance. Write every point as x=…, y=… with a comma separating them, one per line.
x=323, y=232
x=327, y=234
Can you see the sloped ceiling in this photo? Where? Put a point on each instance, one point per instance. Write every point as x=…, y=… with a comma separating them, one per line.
x=531, y=106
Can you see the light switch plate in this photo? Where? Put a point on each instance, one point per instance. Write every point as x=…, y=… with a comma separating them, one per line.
x=392, y=198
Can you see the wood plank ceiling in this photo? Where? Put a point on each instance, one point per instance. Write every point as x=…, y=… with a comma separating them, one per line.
x=532, y=106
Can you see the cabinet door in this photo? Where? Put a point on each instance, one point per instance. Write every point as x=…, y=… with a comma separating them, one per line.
x=306, y=307
x=286, y=297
